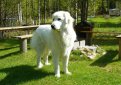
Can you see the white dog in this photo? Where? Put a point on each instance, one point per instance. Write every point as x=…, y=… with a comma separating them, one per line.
x=58, y=38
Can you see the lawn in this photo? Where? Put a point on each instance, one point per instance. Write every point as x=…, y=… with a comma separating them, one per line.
x=20, y=68
x=99, y=19
x=111, y=22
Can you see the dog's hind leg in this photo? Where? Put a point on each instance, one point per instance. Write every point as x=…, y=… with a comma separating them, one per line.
x=39, y=55
x=46, y=57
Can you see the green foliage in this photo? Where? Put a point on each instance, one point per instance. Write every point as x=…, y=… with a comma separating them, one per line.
x=30, y=10
x=93, y=7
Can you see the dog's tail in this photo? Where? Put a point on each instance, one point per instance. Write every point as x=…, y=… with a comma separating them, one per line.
x=34, y=40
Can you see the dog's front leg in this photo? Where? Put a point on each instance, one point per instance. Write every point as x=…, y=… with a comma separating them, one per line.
x=66, y=61
x=56, y=66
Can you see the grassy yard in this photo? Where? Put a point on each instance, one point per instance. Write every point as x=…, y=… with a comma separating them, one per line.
x=20, y=69
x=111, y=22
x=103, y=19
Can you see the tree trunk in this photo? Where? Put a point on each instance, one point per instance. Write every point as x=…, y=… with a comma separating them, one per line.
x=0, y=13
x=26, y=11
x=39, y=11
x=44, y=11
x=84, y=10
x=32, y=12
x=20, y=13
x=76, y=8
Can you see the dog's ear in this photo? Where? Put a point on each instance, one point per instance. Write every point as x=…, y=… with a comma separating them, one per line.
x=68, y=18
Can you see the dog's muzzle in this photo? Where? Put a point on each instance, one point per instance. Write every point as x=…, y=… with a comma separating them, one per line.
x=53, y=27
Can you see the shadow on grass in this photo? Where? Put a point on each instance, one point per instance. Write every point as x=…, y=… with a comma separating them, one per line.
x=106, y=59
x=9, y=42
x=3, y=49
x=102, y=42
x=9, y=54
x=106, y=24
x=21, y=74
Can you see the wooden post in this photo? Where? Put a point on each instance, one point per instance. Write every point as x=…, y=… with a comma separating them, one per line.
x=119, y=38
x=120, y=48
x=23, y=42
x=23, y=45
x=88, y=38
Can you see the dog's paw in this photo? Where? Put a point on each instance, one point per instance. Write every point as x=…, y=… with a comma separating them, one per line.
x=68, y=73
x=40, y=65
x=57, y=75
x=46, y=63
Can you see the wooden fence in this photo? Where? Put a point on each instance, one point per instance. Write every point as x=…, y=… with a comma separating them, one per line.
x=8, y=32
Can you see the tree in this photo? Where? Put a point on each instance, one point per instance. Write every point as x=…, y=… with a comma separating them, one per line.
x=39, y=11
x=0, y=12
x=84, y=10
x=20, y=12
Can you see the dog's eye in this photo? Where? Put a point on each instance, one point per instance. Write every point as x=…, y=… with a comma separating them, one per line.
x=59, y=19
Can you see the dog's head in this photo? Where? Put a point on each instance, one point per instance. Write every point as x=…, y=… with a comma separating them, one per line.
x=61, y=20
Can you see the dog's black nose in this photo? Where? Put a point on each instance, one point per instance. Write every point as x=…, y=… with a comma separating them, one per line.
x=53, y=27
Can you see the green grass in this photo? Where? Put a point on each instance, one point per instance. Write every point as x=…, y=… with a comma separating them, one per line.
x=102, y=19
x=112, y=22
x=20, y=69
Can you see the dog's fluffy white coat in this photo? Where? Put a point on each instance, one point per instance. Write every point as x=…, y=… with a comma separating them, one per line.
x=59, y=41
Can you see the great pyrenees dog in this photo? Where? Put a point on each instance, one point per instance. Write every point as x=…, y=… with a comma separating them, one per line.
x=57, y=38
